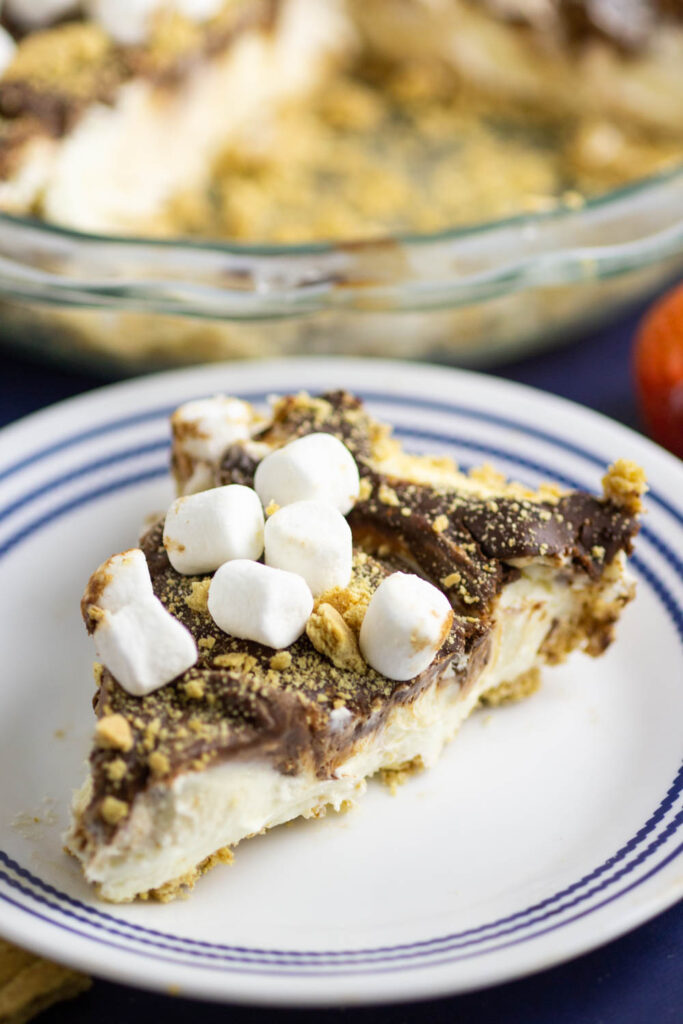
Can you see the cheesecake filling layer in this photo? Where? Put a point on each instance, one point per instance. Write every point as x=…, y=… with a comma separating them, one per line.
x=175, y=826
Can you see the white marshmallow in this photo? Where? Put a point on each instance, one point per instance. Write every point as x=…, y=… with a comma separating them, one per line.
x=36, y=13
x=129, y=21
x=126, y=21
x=405, y=624
x=317, y=467
x=205, y=428
x=7, y=50
x=204, y=530
x=198, y=10
x=256, y=602
x=124, y=580
x=313, y=540
x=143, y=646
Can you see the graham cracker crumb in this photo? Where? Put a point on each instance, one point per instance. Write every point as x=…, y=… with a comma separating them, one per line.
x=283, y=659
x=97, y=670
x=365, y=490
x=198, y=598
x=488, y=475
x=440, y=524
x=116, y=769
x=113, y=810
x=151, y=734
x=331, y=636
x=351, y=602
x=179, y=888
x=451, y=580
x=624, y=484
x=517, y=689
x=114, y=732
x=74, y=59
x=388, y=496
x=395, y=777
x=194, y=689
x=159, y=763
x=238, y=660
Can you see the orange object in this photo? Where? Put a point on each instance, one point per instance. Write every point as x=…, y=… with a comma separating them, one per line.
x=658, y=366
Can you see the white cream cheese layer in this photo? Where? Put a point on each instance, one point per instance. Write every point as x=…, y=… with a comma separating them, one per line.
x=173, y=828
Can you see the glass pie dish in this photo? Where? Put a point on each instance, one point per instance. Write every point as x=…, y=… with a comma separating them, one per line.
x=469, y=296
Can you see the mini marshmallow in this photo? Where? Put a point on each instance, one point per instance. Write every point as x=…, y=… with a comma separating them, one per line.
x=317, y=467
x=199, y=10
x=36, y=13
x=123, y=579
x=204, y=530
x=205, y=428
x=143, y=646
x=256, y=602
x=313, y=540
x=7, y=49
x=406, y=622
x=126, y=21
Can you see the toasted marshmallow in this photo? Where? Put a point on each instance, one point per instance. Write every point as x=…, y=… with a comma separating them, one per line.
x=256, y=602
x=406, y=622
x=7, y=49
x=36, y=13
x=313, y=540
x=204, y=530
x=317, y=467
x=123, y=579
x=205, y=428
x=143, y=646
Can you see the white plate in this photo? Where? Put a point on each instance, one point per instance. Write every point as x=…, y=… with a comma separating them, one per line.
x=547, y=828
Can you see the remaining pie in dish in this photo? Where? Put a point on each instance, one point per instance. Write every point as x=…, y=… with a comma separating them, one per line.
x=415, y=103
x=456, y=587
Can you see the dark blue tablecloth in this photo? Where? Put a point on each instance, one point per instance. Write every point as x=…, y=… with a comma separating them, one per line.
x=636, y=980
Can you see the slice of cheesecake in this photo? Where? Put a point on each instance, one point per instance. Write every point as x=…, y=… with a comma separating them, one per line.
x=249, y=737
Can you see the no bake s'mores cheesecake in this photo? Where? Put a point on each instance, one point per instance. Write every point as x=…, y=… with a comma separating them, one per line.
x=316, y=607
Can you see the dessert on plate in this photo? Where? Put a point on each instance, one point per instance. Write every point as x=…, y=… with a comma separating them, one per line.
x=238, y=690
